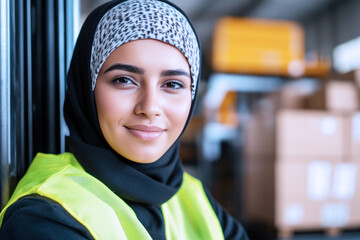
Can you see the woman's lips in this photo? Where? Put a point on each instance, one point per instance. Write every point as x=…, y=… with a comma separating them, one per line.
x=145, y=132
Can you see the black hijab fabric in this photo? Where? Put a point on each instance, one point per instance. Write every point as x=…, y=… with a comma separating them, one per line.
x=150, y=184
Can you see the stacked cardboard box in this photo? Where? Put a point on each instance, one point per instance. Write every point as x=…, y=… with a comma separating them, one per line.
x=335, y=96
x=303, y=165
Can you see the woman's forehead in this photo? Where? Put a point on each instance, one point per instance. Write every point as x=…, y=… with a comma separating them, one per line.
x=148, y=53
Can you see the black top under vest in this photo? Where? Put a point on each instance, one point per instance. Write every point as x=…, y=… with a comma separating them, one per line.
x=36, y=217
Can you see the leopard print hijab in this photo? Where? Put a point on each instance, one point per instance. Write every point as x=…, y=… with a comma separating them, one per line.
x=144, y=19
x=105, y=29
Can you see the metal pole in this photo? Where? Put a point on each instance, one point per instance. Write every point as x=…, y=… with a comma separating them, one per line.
x=61, y=26
x=5, y=90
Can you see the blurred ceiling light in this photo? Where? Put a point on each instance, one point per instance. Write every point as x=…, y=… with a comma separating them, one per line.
x=346, y=56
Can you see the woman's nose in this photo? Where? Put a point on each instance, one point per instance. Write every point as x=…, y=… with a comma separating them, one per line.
x=148, y=103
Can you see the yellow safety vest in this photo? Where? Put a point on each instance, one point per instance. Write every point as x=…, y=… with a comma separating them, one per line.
x=187, y=215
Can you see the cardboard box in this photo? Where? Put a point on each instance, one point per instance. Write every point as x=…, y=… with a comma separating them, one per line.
x=277, y=194
x=303, y=193
x=298, y=214
x=356, y=77
x=335, y=95
x=288, y=97
x=259, y=134
x=305, y=177
x=355, y=201
x=260, y=126
x=295, y=133
x=310, y=133
x=313, y=193
x=352, y=132
x=309, y=215
x=259, y=191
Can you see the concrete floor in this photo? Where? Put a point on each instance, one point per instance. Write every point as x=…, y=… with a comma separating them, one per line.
x=349, y=235
x=261, y=233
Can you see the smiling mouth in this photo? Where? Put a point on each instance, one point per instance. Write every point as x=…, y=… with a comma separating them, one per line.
x=145, y=133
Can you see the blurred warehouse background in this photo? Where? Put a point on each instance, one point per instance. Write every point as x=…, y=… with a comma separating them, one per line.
x=276, y=131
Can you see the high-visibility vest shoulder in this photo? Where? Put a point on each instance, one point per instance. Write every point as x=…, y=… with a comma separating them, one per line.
x=187, y=215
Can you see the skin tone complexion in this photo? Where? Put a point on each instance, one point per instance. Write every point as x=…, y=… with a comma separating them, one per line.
x=143, y=98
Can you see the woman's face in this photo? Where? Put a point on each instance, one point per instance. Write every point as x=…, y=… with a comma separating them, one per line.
x=143, y=99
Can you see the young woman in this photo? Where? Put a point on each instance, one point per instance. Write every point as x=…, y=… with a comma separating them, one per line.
x=131, y=90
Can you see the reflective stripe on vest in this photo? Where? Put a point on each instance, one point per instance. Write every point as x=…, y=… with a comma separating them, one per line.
x=187, y=215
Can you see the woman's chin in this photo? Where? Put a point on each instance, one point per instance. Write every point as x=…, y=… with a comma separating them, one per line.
x=144, y=158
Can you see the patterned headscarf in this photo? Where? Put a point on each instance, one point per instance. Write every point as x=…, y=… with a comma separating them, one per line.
x=144, y=19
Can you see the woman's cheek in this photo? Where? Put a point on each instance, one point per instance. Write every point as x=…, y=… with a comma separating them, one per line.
x=180, y=113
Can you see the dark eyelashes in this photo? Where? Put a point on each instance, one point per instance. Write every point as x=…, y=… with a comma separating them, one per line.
x=128, y=81
x=123, y=80
x=180, y=84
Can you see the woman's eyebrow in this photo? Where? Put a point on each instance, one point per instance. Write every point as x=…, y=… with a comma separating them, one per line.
x=125, y=67
x=176, y=72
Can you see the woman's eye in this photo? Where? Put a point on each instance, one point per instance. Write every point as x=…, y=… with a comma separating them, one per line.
x=174, y=85
x=123, y=81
